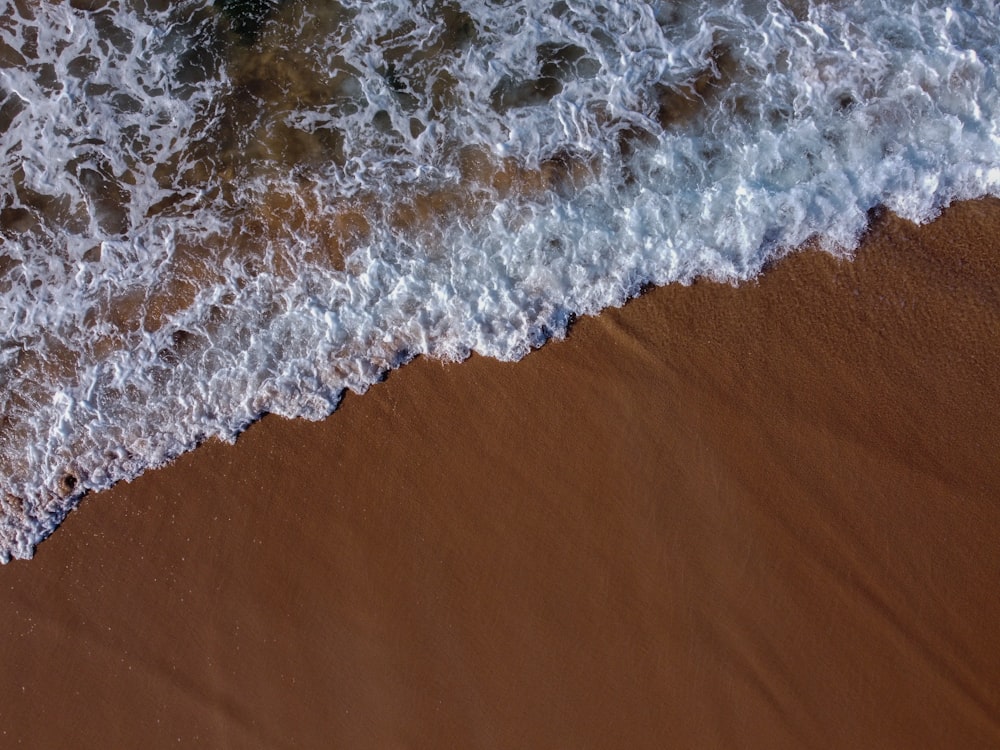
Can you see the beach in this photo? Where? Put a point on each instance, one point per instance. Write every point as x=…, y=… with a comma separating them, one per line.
x=762, y=515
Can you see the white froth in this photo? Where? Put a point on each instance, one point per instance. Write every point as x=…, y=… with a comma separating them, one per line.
x=715, y=136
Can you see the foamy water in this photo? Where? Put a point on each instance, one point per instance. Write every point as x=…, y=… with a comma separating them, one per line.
x=207, y=213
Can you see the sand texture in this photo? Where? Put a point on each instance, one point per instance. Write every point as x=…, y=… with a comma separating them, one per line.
x=761, y=517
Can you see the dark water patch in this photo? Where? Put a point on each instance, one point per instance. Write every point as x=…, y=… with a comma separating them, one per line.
x=202, y=44
x=83, y=66
x=512, y=94
x=60, y=211
x=845, y=102
x=678, y=105
x=108, y=198
x=560, y=60
x=247, y=17
x=7, y=264
x=182, y=344
x=283, y=73
x=8, y=268
x=10, y=57
x=16, y=220
x=460, y=30
x=442, y=93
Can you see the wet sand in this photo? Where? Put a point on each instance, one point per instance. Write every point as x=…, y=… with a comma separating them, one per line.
x=763, y=517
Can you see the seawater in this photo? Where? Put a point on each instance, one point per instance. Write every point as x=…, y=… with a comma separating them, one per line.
x=209, y=211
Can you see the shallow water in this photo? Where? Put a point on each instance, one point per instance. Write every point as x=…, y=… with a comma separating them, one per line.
x=212, y=211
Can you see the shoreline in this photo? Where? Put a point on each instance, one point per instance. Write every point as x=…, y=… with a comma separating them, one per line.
x=760, y=515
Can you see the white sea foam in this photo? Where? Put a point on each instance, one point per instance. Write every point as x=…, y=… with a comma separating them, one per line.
x=178, y=254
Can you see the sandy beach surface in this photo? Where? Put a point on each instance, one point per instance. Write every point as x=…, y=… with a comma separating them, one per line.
x=765, y=516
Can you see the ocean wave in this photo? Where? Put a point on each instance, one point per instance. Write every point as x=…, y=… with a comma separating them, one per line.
x=213, y=211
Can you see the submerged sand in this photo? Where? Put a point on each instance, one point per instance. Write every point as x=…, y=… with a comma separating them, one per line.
x=765, y=516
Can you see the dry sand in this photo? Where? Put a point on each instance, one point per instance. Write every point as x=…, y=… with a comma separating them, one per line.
x=758, y=517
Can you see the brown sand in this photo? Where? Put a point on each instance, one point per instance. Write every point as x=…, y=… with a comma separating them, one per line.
x=758, y=517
